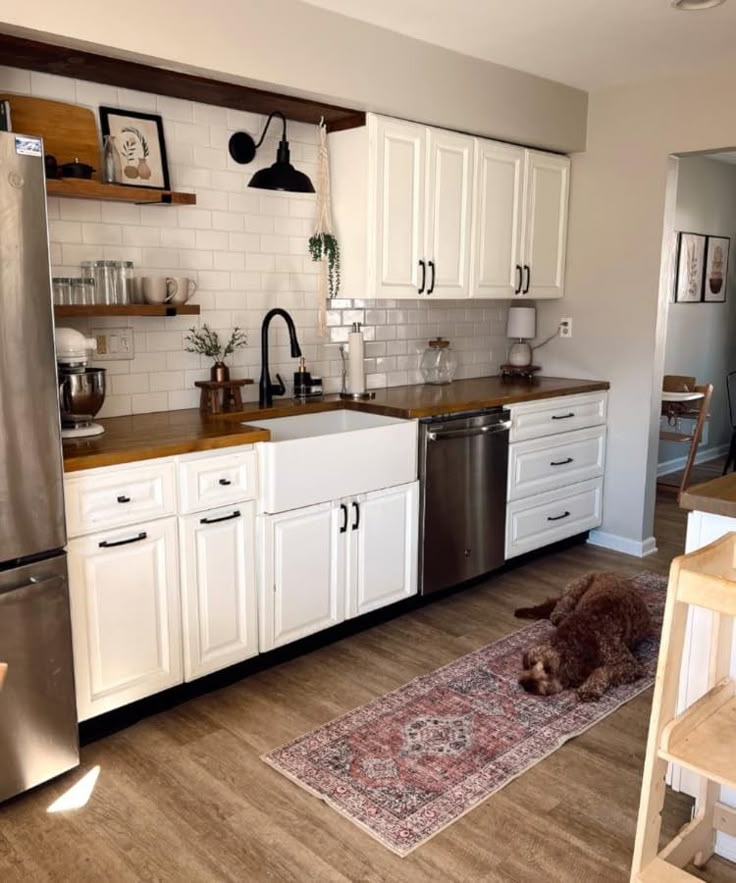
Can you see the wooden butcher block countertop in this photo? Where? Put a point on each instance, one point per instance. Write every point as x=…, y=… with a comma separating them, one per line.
x=167, y=433
x=718, y=496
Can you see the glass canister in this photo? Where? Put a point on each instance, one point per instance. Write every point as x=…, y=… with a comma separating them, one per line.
x=83, y=291
x=439, y=362
x=62, y=287
x=104, y=274
x=123, y=282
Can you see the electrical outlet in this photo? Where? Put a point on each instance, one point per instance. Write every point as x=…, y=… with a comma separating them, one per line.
x=113, y=343
x=565, y=327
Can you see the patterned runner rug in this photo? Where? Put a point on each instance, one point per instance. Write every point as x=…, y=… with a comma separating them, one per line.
x=410, y=763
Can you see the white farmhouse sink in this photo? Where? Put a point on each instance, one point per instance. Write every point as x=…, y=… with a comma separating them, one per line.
x=314, y=458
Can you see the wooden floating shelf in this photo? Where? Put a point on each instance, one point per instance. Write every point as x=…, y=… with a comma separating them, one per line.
x=78, y=311
x=88, y=188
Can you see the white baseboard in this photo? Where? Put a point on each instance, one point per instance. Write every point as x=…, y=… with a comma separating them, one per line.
x=703, y=455
x=637, y=548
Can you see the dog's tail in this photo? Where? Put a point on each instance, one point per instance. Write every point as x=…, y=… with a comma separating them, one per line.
x=541, y=611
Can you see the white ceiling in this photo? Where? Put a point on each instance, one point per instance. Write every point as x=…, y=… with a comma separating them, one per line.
x=585, y=43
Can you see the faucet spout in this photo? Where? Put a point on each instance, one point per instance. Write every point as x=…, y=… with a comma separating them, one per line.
x=267, y=389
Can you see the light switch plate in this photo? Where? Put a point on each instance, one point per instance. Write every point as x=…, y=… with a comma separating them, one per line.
x=113, y=344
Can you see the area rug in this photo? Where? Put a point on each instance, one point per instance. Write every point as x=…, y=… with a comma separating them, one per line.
x=410, y=763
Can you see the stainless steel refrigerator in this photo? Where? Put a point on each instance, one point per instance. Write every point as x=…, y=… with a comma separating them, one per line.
x=38, y=725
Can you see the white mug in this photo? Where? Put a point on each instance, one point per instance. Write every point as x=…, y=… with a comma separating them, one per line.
x=157, y=289
x=181, y=289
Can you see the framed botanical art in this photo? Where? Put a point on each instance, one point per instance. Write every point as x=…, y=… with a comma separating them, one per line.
x=690, y=268
x=716, y=268
x=138, y=142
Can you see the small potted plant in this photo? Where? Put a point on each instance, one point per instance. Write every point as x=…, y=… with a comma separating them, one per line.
x=206, y=342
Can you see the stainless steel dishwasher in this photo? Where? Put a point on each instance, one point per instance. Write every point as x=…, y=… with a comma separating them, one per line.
x=463, y=463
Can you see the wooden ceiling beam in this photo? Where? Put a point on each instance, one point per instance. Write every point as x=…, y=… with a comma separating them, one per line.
x=68, y=62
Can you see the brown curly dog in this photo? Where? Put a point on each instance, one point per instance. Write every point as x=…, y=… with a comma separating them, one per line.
x=600, y=619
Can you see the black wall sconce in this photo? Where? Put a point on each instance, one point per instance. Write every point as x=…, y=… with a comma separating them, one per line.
x=281, y=175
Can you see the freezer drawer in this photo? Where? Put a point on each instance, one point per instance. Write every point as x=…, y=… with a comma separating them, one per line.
x=38, y=721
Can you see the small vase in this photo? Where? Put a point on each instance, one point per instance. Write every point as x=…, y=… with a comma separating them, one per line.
x=219, y=372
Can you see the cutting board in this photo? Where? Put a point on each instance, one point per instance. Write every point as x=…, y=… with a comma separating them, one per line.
x=68, y=130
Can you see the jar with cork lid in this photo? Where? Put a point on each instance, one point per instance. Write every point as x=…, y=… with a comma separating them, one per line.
x=439, y=362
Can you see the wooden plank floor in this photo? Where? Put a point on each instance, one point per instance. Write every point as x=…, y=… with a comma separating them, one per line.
x=183, y=796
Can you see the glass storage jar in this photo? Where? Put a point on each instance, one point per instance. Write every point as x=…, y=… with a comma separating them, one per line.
x=83, y=291
x=123, y=282
x=104, y=274
x=439, y=362
x=62, y=287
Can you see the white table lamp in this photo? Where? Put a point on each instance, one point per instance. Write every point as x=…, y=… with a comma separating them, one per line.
x=522, y=327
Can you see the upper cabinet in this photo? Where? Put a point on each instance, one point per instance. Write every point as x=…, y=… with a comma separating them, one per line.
x=423, y=212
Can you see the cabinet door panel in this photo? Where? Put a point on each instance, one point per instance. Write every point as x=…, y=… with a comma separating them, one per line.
x=218, y=589
x=449, y=181
x=545, y=232
x=386, y=553
x=399, y=204
x=302, y=586
x=125, y=615
x=499, y=179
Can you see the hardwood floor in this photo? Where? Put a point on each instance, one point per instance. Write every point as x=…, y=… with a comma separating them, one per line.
x=183, y=795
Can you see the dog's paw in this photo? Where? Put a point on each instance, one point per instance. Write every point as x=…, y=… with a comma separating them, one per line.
x=588, y=694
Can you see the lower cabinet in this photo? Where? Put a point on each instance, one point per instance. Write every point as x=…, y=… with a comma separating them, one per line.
x=324, y=563
x=218, y=588
x=126, y=621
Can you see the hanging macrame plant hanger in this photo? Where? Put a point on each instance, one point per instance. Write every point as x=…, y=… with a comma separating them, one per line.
x=322, y=244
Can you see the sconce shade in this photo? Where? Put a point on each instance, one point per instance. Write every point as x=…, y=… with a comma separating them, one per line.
x=522, y=323
x=281, y=175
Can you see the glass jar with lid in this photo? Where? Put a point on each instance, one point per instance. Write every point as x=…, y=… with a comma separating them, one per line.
x=123, y=282
x=104, y=274
x=83, y=291
x=439, y=362
x=62, y=287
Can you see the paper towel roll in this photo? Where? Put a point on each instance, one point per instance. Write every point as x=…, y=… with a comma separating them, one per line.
x=356, y=375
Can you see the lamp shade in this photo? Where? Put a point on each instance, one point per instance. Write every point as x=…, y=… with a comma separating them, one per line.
x=282, y=176
x=522, y=323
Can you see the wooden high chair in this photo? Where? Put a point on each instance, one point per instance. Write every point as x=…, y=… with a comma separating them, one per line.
x=695, y=408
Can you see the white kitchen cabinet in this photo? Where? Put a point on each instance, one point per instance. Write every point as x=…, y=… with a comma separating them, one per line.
x=382, y=562
x=546, y=190
x=301, y=573
x=497, y=209
x=423, y=212
x=218, y=588
x=126, y=620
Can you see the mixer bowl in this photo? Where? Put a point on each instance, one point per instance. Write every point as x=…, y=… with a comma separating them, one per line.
x=81, y=395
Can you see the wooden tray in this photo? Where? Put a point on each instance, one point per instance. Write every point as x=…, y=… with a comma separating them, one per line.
x=69, y=131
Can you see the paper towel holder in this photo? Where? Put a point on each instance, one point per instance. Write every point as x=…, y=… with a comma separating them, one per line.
x=351, y=396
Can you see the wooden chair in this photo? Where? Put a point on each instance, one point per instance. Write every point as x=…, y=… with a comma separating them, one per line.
x=731, y=393
x=703, y=737
x=698, y=410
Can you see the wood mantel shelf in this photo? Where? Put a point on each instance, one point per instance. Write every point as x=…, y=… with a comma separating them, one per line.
x=78, y=311
x=88, y=188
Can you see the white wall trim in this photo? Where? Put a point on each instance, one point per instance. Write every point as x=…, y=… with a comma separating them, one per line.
x=669, y=466
x=638, y=548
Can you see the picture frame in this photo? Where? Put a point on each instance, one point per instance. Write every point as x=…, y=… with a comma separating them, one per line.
x=140, y=145
x=716, y=268
x=690, y=275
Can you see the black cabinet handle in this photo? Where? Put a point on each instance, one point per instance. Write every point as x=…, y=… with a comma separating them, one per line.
x=519, y=279
x=424, y=276
x=563, y=416
x=235, y=514
x=431, y=284
x=106, y=545
x=356, y=523
x=344, y=510
x=557, y=517
x=528, y=279
x=224, y=482
x=123, y=499
x=561, y=462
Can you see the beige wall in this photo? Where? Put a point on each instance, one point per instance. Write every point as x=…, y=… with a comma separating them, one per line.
x=301, y=49
x=701, y=338
x=618, y=197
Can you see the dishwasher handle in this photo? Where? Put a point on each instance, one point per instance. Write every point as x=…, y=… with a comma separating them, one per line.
x=492, y=428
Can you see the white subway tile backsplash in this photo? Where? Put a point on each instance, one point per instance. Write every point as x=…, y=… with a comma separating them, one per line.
x=247, y=251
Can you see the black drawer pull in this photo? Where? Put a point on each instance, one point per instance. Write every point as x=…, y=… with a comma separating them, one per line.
x=123, y=499
x=557, y=517
x=563, y=416
x=344, y=510
x=107, y=545
x=356, y=523
x=224, y=482
x=560, y=462
x=235, y=514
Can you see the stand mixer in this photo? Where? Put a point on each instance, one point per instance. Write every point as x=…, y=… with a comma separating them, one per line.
x=81, y=389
